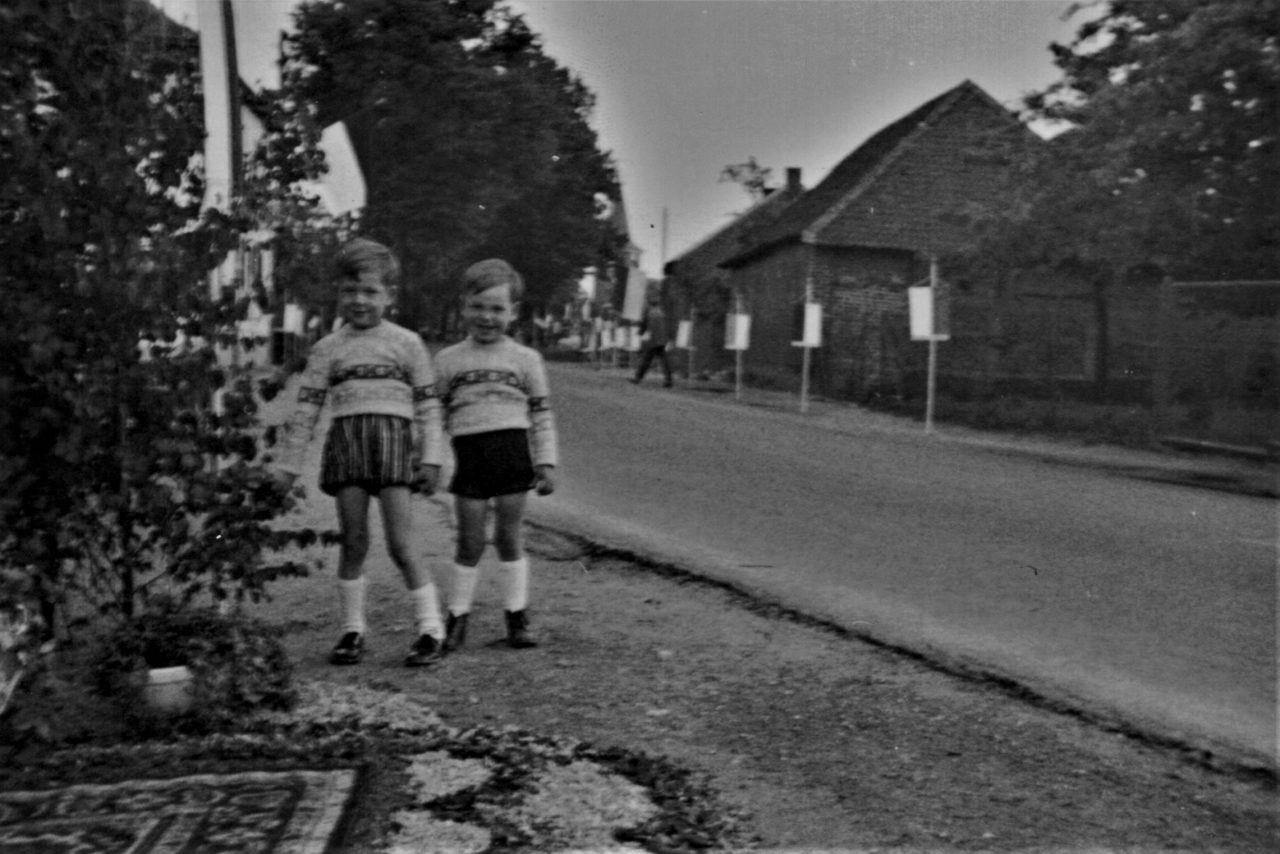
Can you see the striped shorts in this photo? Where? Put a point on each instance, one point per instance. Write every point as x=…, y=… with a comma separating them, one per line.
x=368, y=451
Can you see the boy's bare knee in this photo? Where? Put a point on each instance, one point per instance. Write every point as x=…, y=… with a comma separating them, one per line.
x=401, y=554
x=507, y=543
x=470, y=550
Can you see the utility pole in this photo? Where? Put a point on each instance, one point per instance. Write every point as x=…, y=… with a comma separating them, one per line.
x=662, y=246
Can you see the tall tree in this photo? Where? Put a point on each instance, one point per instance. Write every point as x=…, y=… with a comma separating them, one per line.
x=551, y=229
x=472, y=140
x=1174, y=110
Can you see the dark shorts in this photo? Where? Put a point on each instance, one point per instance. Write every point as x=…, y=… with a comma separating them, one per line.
x=368, y=451
x=492, y=464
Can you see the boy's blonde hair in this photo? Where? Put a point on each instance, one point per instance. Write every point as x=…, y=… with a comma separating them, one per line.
x=491, y=273
x=362, y=255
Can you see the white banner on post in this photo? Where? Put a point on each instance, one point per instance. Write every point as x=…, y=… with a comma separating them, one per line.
x=633, y=301
x=294, y=320
x=924, y=317
x=256, y=327
x=737, y=331
x=684, y=334
x=920, y=302
x=811, y=332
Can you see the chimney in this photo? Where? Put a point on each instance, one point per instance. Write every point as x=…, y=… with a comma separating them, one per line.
x=793, y=177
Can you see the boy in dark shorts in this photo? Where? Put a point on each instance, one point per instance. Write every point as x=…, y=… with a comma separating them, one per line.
x=498, y=416
x=385, y=440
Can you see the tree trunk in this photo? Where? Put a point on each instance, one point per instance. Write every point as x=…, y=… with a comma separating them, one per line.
x=127, y=586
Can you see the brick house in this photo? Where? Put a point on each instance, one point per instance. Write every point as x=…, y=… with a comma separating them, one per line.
x=696, y=281
x=856, y=241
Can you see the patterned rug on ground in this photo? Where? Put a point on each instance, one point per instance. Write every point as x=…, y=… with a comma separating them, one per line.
x=286, y=812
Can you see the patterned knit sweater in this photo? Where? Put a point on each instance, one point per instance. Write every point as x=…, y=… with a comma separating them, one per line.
x=499, y=386
x=383, y=370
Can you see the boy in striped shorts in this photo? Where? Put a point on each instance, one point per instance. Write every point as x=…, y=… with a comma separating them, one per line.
x=385, y=441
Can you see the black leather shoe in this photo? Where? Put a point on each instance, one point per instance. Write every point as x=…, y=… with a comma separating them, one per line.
x=425, y=652
x=455, y=632
x=350, y=649
x=518, y=634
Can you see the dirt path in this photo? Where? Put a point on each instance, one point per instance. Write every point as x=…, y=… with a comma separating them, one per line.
x=824, y=741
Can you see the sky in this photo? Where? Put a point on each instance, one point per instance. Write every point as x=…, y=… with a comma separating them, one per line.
x=686, y=87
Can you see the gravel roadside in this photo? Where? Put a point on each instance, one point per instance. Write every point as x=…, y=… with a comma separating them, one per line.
x=815, y=739
x=819, y=740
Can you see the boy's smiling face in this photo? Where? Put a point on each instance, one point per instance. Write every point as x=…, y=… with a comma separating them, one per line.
x=487, y=314
x=363, y=300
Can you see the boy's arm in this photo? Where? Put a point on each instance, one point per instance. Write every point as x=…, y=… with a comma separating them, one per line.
x=543, y=441
x=428, y=433
x=300, y=426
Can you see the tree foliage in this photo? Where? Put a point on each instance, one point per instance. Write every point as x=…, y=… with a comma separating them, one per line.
x=1171, y=154
x=473, y=142
x=1166, y=155
x=754, y=178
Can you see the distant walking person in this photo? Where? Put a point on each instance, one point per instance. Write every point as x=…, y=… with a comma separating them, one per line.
x=498, y=416
x=654, y=325
x=385, y=440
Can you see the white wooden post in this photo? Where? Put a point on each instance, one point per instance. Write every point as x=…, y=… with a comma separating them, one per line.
x=689, y=349
x=933, y=345
x=804, y=380
x=804, y=343
x=933, y=371
x=737, y=336
x=922, y=303
x=810, y=337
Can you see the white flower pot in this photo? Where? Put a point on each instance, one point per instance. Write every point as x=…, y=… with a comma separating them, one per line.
x=169, y=689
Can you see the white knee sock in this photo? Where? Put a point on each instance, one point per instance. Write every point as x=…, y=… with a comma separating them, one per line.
x=515, y=584
x=426, y=611
x=463, y=590
x=351, y=604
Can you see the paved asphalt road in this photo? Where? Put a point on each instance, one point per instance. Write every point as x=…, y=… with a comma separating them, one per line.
x=1151, y=604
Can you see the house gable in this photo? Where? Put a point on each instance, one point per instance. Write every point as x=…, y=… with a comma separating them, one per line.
x=905, y=187
x=916, y=196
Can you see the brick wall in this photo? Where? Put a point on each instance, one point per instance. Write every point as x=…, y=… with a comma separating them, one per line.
x=770, y=289
x=864, y=297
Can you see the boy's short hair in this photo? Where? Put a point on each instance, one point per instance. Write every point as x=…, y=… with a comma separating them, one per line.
x=491, y=273
x=361, y=255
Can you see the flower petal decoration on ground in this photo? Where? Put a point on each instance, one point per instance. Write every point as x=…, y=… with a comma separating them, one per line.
x=450, y=790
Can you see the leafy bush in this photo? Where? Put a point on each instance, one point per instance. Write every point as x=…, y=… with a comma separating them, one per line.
x=238, y=662
x=129, y=470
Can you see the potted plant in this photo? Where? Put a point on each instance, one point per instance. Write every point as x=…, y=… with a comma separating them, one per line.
x=204, y=662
